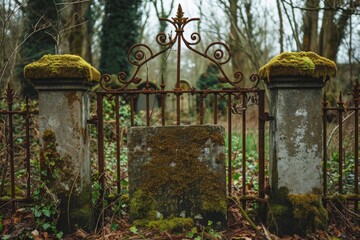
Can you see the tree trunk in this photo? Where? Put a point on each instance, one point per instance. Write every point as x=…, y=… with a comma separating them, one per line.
x=310, y=26
x=235, y=42
x=79, y=38
x=333, y=29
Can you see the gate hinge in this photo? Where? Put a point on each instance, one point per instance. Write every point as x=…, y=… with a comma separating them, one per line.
x=266, y=117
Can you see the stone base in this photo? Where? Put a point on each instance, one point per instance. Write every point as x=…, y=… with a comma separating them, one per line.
x=300, y=214
x=177, y=171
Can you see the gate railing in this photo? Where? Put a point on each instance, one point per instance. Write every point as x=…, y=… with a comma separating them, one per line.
x=15, y=171
x=341, y=146
x=235, y=101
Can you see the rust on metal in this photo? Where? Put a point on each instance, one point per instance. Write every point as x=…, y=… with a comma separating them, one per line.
x=342, y=112
x=10, y=145
x=217, y=53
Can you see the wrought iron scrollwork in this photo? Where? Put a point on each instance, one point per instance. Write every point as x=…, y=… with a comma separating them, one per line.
x=139, y=54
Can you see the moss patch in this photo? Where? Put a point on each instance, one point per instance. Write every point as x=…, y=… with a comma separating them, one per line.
x=172, y=225
x=177, y=179
x=57, y=173
x=61, y=66
x=296, y=214
x=308, y=212
x=49, y=159
x=298, y=64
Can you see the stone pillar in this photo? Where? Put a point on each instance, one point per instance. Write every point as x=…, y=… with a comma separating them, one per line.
x=295, y=81
x=63, y=82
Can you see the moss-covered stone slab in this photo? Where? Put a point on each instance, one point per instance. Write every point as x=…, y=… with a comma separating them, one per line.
x=64, y=66
x=177, y=171
x=307, y=64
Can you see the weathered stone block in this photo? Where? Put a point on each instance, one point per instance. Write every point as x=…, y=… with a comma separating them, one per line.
x=63, y=82
x=177, y=171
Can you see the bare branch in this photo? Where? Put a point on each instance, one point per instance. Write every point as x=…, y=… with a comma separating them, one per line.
x=37, y=28
x=355, y=4
x=296, y=37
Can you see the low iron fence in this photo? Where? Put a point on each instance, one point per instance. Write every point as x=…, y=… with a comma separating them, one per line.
x=341, y=147
x=16, y=140
x=228, y=107
x=116, y=111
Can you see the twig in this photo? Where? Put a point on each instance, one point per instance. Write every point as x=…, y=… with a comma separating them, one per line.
x=336, y=128
x=246, y=216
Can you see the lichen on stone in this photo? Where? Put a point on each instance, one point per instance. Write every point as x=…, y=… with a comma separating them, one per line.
x=177, y=181
x=64, y=66
x=307, y=64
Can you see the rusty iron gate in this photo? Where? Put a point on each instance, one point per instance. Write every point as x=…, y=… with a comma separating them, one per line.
x=163, y=104
x=341, y=146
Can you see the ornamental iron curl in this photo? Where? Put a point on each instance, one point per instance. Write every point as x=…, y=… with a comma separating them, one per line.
x=140, y=54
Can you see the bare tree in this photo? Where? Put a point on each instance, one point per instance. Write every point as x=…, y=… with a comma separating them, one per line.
x=161, y=12
x=336, y=15
x=11, y=40
x=248, y=32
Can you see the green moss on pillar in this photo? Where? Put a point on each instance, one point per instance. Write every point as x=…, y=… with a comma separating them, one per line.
x=64, y=66
x=298, y=64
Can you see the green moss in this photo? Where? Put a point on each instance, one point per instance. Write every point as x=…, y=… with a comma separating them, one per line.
x=49, y=137
x=143, y=206
x=280, y=219
x=296, y=213
x=298, y=64
x=49, y=158
x=61, y=66
x=176, y=183
x=172, y=225
x=308, y=212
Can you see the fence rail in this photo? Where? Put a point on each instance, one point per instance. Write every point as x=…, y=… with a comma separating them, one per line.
x=341, y=146
x=15, y=124
x=340, y=138
x=228, y=106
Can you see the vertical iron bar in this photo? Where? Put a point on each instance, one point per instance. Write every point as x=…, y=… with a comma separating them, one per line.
x=201, y=108
x=324, y=110
x=340, y=110
x=243, y=131
x=118, y=150
x=229, y=145
x=100, y=128
x=27, y=142
x=261, y=143
x=147, y=109
x=177, y=109
x=10, y=149
x=215, y=108
x=163, y=96
x=356, y=140
x=179, y=33
x=132, y=109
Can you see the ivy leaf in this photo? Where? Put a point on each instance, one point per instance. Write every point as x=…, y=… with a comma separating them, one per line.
x=46, y=212
x=133, y=229
x=114, y=226
x=59, y=235
x=45, y=226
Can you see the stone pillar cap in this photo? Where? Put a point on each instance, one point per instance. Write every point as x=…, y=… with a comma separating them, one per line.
x=307, y=64
x=64, y=66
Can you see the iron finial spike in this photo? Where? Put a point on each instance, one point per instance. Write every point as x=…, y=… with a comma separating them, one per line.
x=180, y=12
